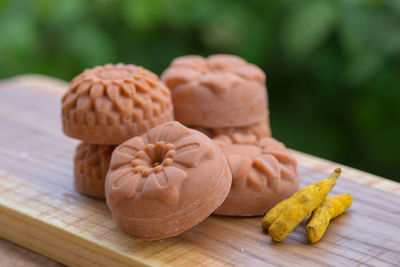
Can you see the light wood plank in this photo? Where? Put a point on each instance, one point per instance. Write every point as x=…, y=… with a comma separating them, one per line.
x=12, y=255
x=40, y=210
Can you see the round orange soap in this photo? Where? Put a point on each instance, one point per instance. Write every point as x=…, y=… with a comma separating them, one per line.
x=264, y=173
x=91, y=164
x=166, y=181
x=216, y=92
x=112, y=103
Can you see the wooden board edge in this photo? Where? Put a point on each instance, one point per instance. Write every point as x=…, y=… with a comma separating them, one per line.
x=37, y=81
x=58, y=243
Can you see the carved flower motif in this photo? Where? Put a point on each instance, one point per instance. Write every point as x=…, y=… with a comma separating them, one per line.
x=128, y=99
x=257, y=164
x=117, y=74
x=154, y=166
x=217, y=72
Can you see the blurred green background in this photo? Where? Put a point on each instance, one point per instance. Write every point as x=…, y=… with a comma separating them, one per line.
x=333, y=67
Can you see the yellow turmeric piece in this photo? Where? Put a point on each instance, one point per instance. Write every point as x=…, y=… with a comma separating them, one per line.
x=329, y=209
x=285, y=216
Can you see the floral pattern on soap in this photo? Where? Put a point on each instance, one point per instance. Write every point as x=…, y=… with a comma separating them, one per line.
x=153, y=166
x=217, y=72
x=257, y=164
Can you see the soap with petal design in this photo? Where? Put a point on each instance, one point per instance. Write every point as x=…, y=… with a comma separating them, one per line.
x=264, y=173
x=216, y=92
x=112, y=103
x=166, y=181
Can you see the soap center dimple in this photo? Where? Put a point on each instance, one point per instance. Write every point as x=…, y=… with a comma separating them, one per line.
x=155, y=164
x=153, y=158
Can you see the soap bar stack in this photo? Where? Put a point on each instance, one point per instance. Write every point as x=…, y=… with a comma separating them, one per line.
x=225, y=97
x=104, y=107
x=162, y=177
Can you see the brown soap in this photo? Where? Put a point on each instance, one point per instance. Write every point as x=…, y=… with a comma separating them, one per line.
x=166, y=181
x=216, y=92
x=264, y=173
x=112, y=103
x=91, y=164
x=259, y=130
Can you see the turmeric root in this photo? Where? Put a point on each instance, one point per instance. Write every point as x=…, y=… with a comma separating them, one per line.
x=274, y=213
x=329, y=209
x=285, y=216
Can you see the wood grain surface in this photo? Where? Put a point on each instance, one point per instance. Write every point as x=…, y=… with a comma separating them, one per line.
x=40, y=210
x=12, y=255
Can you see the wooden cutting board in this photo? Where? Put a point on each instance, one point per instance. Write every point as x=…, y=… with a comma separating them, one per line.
x=40, y=210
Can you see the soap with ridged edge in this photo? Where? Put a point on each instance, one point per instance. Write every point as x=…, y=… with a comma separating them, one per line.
x=112, y=103
x=216, y=92
x=166, y=181
x=91, y=164
x=264, y=173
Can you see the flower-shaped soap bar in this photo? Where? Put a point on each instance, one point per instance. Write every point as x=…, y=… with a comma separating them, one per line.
x=216, y=92
x=166, y=181
x=264, y=173
x=112, y=103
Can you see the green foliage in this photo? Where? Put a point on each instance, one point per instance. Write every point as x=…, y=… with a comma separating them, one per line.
x=308, y=26
x=333, y=67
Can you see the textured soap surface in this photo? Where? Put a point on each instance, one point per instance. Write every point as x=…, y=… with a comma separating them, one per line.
x=166, y=181
x=112, y=103
x=216, y=92
x=264, y=173
x=91, y=164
